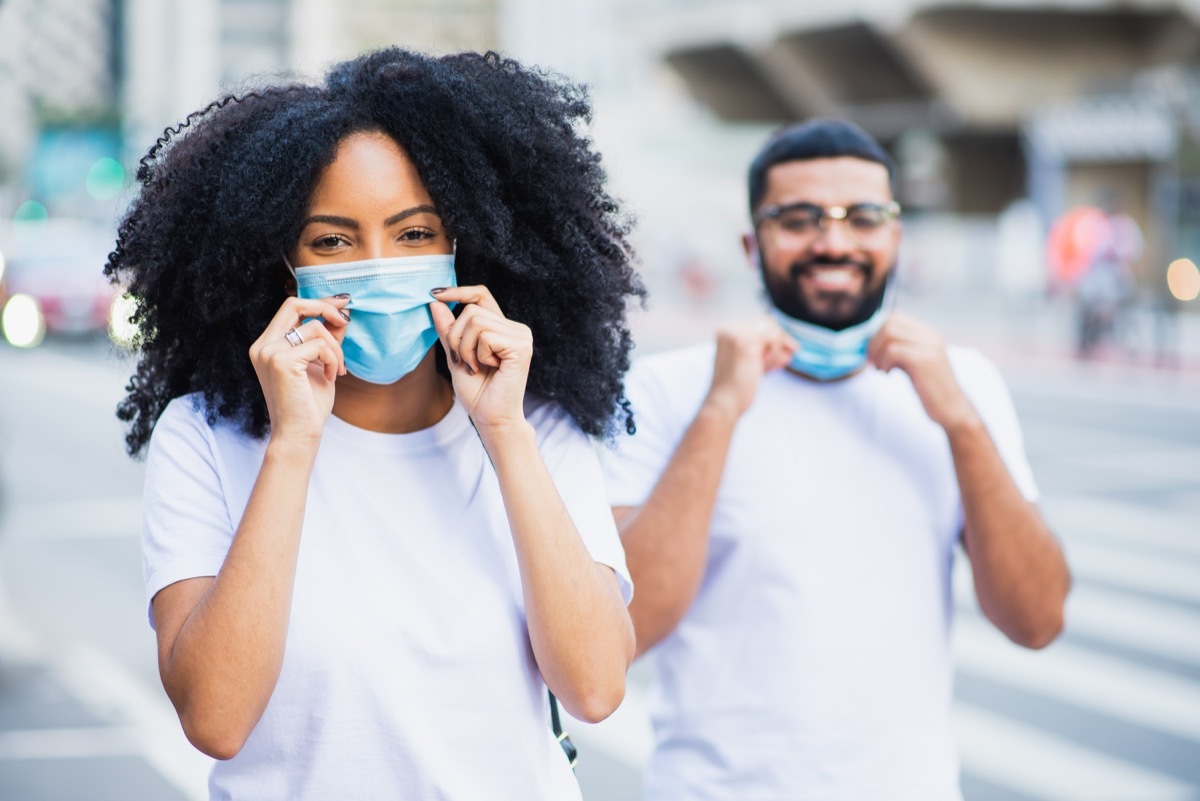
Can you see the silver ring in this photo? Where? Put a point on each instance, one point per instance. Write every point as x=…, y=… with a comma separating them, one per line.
x=293, y=337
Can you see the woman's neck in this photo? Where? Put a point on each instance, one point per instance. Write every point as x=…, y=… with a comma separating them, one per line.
x=415, y=402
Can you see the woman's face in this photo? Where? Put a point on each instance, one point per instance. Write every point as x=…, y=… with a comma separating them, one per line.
x=369, y=204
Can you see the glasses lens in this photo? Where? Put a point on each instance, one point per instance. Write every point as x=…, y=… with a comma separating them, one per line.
x=866, y=219
x=799, y=221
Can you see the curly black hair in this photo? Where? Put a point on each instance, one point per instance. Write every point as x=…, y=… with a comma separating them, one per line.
x=502, y=150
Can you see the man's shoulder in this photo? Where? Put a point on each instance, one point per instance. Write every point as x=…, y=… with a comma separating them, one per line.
x=667, y=386
x=971, y=366
x=686, y=362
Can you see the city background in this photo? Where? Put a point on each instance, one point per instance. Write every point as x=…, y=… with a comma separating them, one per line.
x=1014, y=125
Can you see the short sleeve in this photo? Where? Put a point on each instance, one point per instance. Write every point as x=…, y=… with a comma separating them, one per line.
x=664, y=392
x=186, y=528
x=984, y=385
x=571, y=459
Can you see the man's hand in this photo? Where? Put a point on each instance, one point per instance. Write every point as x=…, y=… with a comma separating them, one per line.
x=919, y=350
x=746, y=351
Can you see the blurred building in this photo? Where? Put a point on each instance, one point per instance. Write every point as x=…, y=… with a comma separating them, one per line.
x=59, y=68
x=946, y=84
x=992, y=109
x=182, y=54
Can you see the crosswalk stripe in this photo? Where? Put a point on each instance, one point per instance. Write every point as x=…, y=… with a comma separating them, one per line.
x=1148, y=626
x=1140, y=624
x=85, y=382
x=1050, y=768
x=85, y=742
x=89, y=518
x=1082, y=677
x=1139, y=571
x=112, y=692
x=1128, y=524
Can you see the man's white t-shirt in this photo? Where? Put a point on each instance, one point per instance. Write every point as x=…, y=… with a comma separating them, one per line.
x=814, y=663
x=408, y=671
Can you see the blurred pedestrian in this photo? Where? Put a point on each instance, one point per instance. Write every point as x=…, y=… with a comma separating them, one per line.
x=365, y=563
x=1105, y=292
x=1092, y=251
x=791, y=503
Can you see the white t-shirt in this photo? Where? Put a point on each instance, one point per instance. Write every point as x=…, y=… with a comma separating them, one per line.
x=408, y=671
x=814, y=662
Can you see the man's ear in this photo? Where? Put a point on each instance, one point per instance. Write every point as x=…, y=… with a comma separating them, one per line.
x=750, y=248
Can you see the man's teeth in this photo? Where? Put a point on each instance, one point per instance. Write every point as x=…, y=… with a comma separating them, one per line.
x=835, y=276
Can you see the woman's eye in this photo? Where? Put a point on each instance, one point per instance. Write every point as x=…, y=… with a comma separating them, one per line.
x=417, y=234
x=327, y=242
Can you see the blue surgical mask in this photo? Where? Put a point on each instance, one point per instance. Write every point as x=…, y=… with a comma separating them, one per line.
x=391, y=327
x=825, y=354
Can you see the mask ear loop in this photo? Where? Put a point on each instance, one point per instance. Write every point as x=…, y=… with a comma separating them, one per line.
x=291, y=269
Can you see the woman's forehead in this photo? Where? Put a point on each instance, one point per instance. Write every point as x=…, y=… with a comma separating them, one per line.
x=370, y=171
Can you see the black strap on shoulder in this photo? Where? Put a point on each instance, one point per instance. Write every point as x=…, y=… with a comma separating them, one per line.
x=564, y=739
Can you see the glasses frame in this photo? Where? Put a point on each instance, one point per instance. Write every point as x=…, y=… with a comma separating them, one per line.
x=891, y=212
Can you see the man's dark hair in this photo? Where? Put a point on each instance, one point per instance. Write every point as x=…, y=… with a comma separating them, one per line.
x=503, y=152
x=814, y=139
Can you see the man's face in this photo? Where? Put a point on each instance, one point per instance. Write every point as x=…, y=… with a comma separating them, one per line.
x=833, y=275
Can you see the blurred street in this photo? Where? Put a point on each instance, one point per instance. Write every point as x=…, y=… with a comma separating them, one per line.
x=1109, y=713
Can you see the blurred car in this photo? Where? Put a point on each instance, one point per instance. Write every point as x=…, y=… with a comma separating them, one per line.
x=55, y=283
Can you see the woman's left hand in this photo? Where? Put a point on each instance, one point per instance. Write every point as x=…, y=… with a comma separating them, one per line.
x=488, y=355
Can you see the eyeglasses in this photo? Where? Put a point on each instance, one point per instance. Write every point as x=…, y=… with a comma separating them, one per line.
x=797, y=224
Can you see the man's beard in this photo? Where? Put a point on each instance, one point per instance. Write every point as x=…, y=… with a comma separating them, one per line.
x=789, y=299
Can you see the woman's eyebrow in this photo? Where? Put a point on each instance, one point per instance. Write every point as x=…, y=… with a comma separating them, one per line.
x=331, y=219
x=346, y=222
x=422, y=209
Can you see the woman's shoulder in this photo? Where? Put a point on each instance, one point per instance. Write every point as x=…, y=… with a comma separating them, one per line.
x=188, y=418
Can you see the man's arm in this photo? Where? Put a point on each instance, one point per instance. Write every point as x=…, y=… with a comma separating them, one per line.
x=1021, y=575
x=666, y=539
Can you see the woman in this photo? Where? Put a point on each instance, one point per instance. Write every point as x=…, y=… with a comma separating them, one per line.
x=367, y=562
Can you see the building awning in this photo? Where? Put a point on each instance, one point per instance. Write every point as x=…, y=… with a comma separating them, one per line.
x=1107, y=128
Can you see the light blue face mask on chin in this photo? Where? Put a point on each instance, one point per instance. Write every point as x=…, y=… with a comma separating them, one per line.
x=391, y=327
x=824, y=354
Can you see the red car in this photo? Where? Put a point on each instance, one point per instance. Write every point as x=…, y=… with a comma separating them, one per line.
x=58, y=278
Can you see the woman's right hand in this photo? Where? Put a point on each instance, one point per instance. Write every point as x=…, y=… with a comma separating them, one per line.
x=298, y=380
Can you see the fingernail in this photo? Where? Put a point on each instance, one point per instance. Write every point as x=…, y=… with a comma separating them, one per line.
x=342, y=295
x=453, y=357
x=437, y=290
x=469, y=370
x=345, y=315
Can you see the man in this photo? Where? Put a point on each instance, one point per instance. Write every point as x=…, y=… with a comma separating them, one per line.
x=791, y=501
